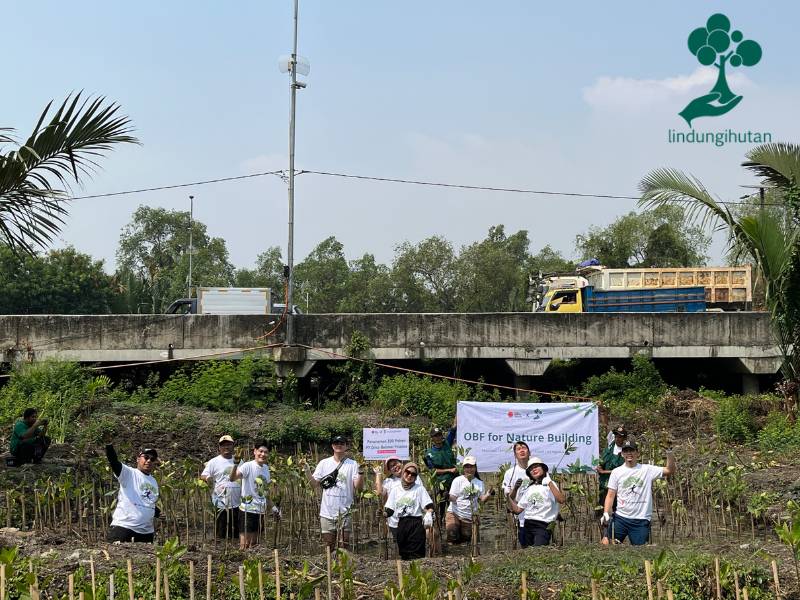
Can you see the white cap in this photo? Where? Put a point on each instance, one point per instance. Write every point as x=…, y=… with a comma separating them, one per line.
x=226, y=438
x=470, y=460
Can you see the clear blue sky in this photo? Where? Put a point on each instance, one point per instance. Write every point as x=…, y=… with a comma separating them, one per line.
x=554, y=96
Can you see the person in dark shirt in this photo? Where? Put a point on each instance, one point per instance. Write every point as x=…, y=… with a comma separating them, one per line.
x=442, y=461
x=29, y=441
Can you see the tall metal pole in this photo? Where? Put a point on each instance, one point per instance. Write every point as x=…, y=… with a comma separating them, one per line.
x=191, y=246
x=290, y=249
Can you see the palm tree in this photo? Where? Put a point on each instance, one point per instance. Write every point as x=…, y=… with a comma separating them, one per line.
x=772, y=242
x=35, y=176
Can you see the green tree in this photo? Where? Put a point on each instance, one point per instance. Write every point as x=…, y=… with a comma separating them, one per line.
x=370, y=288
x=323, y=274
x=715, y=44
x=549, y=260
x=425, y=276
x=60, y=282
x=660, y=237
x=34, y=178
x=771, y=241
x=491, y=275
x=153, y=250
x=267, y=273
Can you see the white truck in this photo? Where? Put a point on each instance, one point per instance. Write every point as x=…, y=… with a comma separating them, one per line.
x=225, y=301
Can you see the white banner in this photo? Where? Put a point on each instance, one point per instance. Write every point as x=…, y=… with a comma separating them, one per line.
x=380, y=444
x=555, y=432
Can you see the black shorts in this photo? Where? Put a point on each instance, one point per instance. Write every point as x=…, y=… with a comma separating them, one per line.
x=123, y=534
x=250, y=522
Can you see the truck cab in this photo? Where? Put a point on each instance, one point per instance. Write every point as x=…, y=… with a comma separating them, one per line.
x=563, y=300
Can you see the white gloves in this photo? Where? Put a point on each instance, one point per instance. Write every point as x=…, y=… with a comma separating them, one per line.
x=276, y=511
x=605, y=518
x=546, y=480
x=427, y=520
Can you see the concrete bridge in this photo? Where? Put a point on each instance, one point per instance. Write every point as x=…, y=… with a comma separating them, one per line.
x=527, y=342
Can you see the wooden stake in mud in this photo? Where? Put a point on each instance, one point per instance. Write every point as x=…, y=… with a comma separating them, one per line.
x=158, y=578
x=130, y=580
x=594, y=590
x=260, y=581
x=330, y=586
x=241, y=584
x=746, y=596
x=649, y=577
x=716, y=577
x=669, y=594
x=3, y=582
x=523, y=587
x=191, y=580
x=81, y=596
x=277, y=575
x=94, y=579
x=736, y=584
x=776, y=582
x=166, y=585
x=111, y=590
x=659, y=589
x=317, y=594
x=399, y=575
x=208, y=579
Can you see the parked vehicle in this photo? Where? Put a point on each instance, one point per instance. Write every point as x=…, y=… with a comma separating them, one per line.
x=225, y=301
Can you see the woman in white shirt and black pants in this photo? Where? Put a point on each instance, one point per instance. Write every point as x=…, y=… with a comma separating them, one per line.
x=413, y=506
x=539, y=503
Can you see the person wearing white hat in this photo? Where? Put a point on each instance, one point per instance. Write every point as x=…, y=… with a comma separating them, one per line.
x=466, y=495
x=225, y=494
x=386, y=478
x=539, y=503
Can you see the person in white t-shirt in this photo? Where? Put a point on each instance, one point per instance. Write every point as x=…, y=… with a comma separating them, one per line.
x=466, y=495
x=225, y=494
x=386, y=478
x=339, y=478
x=538, y=504
x=410, y=503
x=255, y=499
x=631, y=485
x=133, y=516
x=517, y=472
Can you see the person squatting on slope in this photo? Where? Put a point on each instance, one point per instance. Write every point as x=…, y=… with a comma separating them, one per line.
x=538, y=505
x=136, y=508
x=631, y=485
x=29, y=440
x=413, y=507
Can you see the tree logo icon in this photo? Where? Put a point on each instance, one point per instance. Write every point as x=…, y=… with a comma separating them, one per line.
x=715, y=44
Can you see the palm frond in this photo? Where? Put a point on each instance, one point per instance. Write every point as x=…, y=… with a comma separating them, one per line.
x=777, y=164
x=35, y=178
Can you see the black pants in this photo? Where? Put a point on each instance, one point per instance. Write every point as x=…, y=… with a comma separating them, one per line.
x=32, y=452
x=411, y=538
x=122, y=534
x=536, y=533
x=227, y=524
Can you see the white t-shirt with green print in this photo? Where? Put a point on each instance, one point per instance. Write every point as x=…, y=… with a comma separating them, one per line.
x=336, y=501
x=408, y=502
x=467, y=493
x=255, y=478
x=634, y=487
x=539, y=504
x=136, y=501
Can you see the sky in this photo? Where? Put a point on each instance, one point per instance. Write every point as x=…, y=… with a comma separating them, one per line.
x=567, y=97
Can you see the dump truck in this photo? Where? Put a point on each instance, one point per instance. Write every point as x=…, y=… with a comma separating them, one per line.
x=590, y=299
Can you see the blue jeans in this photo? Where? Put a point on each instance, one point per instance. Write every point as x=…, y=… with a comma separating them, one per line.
x=638, y=530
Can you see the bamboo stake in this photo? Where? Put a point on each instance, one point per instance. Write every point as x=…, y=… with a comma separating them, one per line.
x=3, y=582
x=775, y=579
x=111, y=591
x=736, y=584
x=330, y=587
x=191, y=580
x=317, y=594
x=158, y=578
x=208, y=579
x=241, y=584
x=94, y=579
x=80, y=596
x=669, y=594
x=130, y=580
x=166, y=585
x=594, y=590
x=649, y=577
x=659, y=589
x=523, y=585
x=277, y=575
x=745, y=594
x=716, y=576
x=399, y=574
x=261, y=581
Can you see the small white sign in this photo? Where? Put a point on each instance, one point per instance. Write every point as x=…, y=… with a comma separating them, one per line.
x=379, y=444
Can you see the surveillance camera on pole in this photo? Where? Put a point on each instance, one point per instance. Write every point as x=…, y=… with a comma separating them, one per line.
x=294, y=65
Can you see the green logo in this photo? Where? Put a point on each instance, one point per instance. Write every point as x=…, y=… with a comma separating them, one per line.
x=715, y=44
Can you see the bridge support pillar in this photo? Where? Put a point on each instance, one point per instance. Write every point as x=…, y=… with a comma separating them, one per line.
x=750, y=384
x=751, y=368
x=525, y=372
x=292, y=359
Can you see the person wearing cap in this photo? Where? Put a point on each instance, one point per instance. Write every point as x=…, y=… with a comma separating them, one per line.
x=466, y=495
x=132, y=520
x=255, y=500
x=441, y=460
x=338, y=478
x=610, y=460
x=410, y=503
x=631, y=485
x=386, y=478
x=225, y=494
x=516, y=473
x=538, y=505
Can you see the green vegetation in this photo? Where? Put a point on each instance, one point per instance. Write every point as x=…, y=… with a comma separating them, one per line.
x=624, y=392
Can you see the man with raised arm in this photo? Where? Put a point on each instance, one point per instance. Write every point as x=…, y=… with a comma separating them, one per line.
x=631, y=485
x=339, y=478
x=226, y=494
x=136, y=509
x=441, y=460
